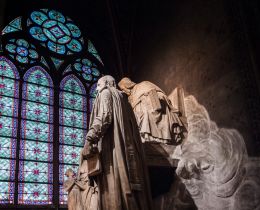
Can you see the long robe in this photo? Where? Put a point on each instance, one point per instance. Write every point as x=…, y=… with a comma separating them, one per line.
x=123, y=183
x=157, y=120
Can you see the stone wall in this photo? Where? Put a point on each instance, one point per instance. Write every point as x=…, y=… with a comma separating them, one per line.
x=193, y=44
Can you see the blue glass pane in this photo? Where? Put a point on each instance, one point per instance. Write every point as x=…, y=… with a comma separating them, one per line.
x=74, y=45
x=21, y=59
x=72, y=136
x=35, y=171
x=33, y=54
x=49, y=23
x=38, y=34
x=7, y=148
x=22, y=43
x=69, y=154
x=36, y=131
x=8, y=126
x=49, y=35
x=36, y=151
x=8, y=106
x=74, y=30
x=72, y=118
x=64, y=40
x=56, y=16
x=10, y=48
x=71, y=100
x=87, y=77
x=30, y=193
x=60, y=49
x=95, y=72
x=22, y=51
x=78, y=66
x=38, y=17
x=7, y=170
x=13, y=26
x=7, y=193
x=37, y=112
x=64, y=28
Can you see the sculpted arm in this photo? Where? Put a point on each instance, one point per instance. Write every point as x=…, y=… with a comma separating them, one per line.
x=103, y=119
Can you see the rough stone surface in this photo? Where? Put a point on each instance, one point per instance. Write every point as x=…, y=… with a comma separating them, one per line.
x=193, y=44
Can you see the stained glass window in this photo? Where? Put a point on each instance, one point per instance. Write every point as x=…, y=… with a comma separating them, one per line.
x=55, y=32
x=9, y=92
x=93, y=51
x=87, y=69
x=14, y=25
x=22, y=51
x=44, y=105
x=36, y=152
x=73, y=125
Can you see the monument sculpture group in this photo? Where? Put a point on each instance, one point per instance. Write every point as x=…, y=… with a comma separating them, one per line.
x=113, y=171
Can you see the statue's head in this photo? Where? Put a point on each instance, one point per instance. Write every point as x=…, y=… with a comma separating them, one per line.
x=105, y=81
x=69, y=173
x=126, y=85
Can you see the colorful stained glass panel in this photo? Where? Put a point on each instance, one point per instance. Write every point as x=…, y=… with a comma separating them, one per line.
x=7, y=193
x=72, y=136
x=7, y=170
x=36, y=151
x=7, y=148
x=31, y=193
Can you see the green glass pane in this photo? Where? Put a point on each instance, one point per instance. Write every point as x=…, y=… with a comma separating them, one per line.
x=36, y=151
x=38, y=34
x=34, y=171
x=72, y=118
x=7, y=106
x=7, y=147
x=38, y=17
x=55, y=15
x=72, y=136
x=33, y=54
x=36, y=111
x=7, y=127
x=70, y=100
x=22, y=42
x=38, y=77
x=36, y=131
x=37, y=94
x=6, y=170
x=10, y=48
x=74, y=30
x=6, y=69
x=29, y=193
x=74, y=45
x=69, y=154
x=72, y=85
x=7, y=193
x=7, y=87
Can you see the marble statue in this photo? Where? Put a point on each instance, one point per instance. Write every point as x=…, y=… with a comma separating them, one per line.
x=123, y=183
x=157, y=119
x=81, y=194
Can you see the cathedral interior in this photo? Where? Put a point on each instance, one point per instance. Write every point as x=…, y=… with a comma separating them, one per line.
x=53, y=52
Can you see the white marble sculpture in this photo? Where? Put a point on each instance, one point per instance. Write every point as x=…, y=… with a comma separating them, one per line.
x=213, y=164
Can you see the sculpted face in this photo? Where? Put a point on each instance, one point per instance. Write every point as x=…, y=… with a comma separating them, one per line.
x=126, y=85
x=106, y=81
x=101, y=84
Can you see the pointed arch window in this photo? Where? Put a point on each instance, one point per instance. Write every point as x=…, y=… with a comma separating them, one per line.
x=9, y=92
x=73, y=126
x=36, y=150
x=47, y=86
